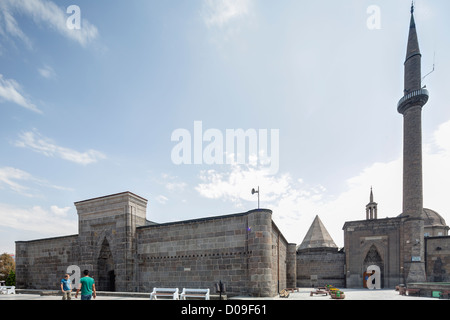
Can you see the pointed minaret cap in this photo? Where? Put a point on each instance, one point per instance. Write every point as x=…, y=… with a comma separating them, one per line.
x=317, y=237
x=413, y=93
x=413, y=42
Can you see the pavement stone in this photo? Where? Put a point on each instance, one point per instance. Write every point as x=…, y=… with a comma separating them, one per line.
x=302, y=294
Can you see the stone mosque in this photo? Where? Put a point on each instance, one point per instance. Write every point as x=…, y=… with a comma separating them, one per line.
x=414, y=247
x=246, y=251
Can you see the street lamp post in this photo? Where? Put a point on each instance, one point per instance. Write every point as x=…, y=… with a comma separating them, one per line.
x=256, y=191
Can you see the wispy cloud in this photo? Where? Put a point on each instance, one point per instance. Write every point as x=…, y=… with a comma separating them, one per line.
x=33, y=140
x=225, y=19
x=46, y=13
x=235, y=185
x=9, y=177
x=47, y=72
x=54, y=221
x=11, y=91
x=172, y=183
x=23, y=182
x=9, y=23
x=219, y=13
x=162, y=199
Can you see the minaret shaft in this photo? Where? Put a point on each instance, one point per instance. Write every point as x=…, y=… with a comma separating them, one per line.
x=412, y=163
x=410, y=106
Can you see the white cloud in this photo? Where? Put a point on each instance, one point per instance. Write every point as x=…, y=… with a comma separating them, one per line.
x=219, y=13
x=176, y=186
x=9, y=177
x=47, y=72
x=236, y=185
x=10, y=91
x=45, y=13
x=295, y=204
x=11, y=27
x=436, y=171
x=441, y=137
x=162, y=199
x=22, y=182
x=172, y=183
x=45, y=146
x=60, y=212
x=225, y=19
x=51, y=222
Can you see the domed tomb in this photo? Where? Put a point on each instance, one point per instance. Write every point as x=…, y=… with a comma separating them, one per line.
x=434, y=225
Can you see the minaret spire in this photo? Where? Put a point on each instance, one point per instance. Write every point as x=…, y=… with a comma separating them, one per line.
x=413, y=72
x=371, y=208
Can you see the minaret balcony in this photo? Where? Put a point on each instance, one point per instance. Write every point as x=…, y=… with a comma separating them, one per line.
x=414, y=98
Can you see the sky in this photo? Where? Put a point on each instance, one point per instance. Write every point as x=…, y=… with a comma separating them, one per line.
x=101, y=97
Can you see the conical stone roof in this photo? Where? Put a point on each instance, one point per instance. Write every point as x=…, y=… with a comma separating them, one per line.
x=317, y=237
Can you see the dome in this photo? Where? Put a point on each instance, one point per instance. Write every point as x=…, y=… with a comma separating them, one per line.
x=433, y=219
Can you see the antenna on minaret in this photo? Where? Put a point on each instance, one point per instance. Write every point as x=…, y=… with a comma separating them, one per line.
x=434, y=64
x=412, y=6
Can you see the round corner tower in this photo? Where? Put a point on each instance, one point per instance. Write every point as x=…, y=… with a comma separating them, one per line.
x=410, y=106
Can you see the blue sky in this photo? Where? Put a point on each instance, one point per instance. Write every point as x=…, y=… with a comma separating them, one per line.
x=90, y=112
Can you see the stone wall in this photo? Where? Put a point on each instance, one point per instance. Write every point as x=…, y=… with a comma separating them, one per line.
x=438, y=259
x=235, y=249
x=291, y=266
x=196, y=253
x=281, y=261
x=320, y=267
x=41, y=264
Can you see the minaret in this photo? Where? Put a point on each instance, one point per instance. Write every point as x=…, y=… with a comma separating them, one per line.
x=410, y=106
x=371, y=208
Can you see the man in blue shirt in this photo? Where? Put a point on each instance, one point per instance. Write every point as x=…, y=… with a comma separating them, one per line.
x=66, y=287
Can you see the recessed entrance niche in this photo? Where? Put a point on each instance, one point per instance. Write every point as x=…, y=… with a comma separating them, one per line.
x=106, y=276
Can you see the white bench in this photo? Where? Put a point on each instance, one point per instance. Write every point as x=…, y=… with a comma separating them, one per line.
x=8, y=290
x=194, y=293
x=164, y=292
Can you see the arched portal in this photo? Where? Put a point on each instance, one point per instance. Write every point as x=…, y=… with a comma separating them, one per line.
x=105, y=263
x=373, y=264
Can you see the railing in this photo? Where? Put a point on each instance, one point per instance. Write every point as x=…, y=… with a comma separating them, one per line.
x=417, y=93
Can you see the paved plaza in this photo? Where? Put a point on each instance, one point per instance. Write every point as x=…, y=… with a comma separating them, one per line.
x=303, y=294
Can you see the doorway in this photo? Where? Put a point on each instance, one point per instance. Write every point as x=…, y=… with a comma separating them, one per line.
x=106, y=275
x=373, y=269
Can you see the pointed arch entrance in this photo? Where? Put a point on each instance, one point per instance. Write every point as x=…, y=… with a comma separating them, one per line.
x=105, y=263
x=373, y=263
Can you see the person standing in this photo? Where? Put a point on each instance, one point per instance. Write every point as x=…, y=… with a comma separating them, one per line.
x=87, y=287
x=66, y=287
